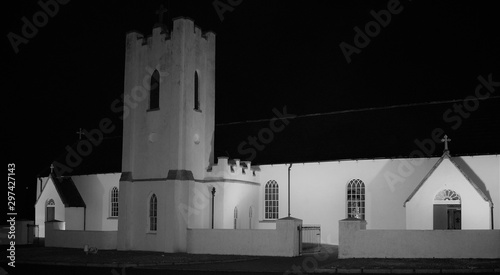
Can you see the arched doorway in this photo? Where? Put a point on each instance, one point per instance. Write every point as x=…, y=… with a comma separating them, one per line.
x=447, y=210
x=50, y=214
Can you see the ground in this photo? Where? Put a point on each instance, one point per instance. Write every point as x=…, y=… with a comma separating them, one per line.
x=143, y=262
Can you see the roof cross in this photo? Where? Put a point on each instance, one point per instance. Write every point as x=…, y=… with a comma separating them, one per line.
x=160, y=13
x=80, y=133
x=445, y=139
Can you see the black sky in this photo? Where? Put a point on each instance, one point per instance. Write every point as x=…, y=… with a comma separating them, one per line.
x=270, y=54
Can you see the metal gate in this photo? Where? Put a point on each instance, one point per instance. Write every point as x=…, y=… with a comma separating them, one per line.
x=311, y=238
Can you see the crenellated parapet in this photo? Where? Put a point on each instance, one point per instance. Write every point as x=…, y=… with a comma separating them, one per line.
x=182, y=28
x=234, y=169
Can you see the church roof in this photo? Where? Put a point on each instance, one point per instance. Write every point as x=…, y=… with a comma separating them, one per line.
x=103, y=158
x=386, y=132
x=68, y=192
x=446, y=154
x=390, y=132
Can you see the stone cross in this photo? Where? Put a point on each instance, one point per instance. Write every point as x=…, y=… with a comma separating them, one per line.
x=80, y=133
x=160, y=13
x=445, y=140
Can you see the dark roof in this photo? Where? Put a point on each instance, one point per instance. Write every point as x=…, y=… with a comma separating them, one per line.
x=353, y=134
x=68, y=192
x=365, y=134
x=103, y=158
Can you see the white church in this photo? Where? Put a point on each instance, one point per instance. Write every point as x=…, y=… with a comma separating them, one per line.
x=174, y=195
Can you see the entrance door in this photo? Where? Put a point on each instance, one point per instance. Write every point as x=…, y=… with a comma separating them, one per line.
x=51, y=210
x=447, y=216
x=454, y=219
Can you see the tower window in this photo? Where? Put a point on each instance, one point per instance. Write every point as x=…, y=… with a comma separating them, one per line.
x=196, y=92
x=153, y=213
x=154, y=91
x=235, y=217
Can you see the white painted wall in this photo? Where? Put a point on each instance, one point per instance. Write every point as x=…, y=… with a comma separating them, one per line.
x=49, y=192
x=359, y=243
x=282, y=241
x=475, y=210
x=74, y=218
x=56, y=237
x=133, y=232
x=96, y=193
x=318, y=190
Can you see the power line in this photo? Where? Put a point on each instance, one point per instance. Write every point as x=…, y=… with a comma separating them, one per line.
x=358, y=110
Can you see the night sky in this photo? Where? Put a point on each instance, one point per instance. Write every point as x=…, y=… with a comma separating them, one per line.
x=270, y=54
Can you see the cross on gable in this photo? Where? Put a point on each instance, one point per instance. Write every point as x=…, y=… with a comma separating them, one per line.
x=445, y=139
x=80, y=133
x=160, y=13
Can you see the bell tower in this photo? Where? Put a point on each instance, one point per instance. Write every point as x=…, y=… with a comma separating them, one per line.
x=170, y=90
x=168, y=132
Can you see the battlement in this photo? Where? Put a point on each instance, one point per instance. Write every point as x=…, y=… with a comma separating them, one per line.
x=182, y=27
x=233, y=169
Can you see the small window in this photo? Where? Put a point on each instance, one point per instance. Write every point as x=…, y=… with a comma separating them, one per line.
x=271, y=200
x=114, y=202
x=250, y=210
x=235, y=217
x=154, y=91
x=356, y=199
x=153, y=213
x=196, y=92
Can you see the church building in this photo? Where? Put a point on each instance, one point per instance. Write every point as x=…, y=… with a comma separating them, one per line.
x=172, y=187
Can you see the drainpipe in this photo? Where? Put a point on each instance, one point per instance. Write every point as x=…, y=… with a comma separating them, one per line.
x=492, y=224
x=289, y=167
x=84, y=217
x=213, y=198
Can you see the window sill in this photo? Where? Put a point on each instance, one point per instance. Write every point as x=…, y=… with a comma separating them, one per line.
x=268, y=221
x=151, y=232
x=112, y=218
x=152, y=110
x=197, y=110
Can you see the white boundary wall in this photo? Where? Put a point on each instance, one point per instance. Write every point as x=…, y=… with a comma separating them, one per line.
x=57, y=236
x=356, y=242
x=283, y=241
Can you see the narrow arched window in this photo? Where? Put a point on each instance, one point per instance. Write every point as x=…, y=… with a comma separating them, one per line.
x=196, y=92
x=250, y=210
x=153, y=213
x=235, y=217
x=114, y=202
x=356, y=199
x=154, y=91
x=271, y=200
x=50, y=210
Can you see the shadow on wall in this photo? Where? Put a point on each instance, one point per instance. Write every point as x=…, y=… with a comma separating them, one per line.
x=389, y=190
x=96, y=211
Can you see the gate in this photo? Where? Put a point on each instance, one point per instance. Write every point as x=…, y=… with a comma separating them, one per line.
x=33, y=231
x=311, y=238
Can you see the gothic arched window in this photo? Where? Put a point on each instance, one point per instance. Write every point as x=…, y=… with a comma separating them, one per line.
x=271, y=200
x=235, y=217
x=154, y=91
x=356, y=199
x=114, y=202
x=153, y=213
x=196, y=92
